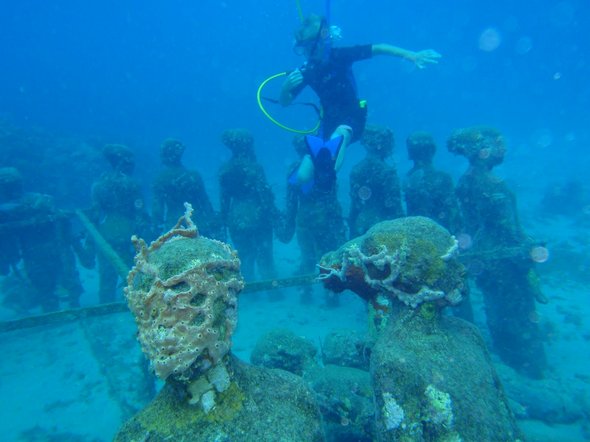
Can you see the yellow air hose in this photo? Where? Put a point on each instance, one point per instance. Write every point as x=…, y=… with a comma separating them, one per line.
x=271, y=118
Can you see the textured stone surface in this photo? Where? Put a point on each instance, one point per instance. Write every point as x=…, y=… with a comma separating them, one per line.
x=183, y=293
x=259, y=405
x=410, y=259
x=438, y=371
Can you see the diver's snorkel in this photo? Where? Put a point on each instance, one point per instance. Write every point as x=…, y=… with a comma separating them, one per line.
x=304, y=46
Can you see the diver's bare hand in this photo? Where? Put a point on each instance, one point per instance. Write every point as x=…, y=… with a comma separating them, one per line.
x=425, y=57
x=294, y=79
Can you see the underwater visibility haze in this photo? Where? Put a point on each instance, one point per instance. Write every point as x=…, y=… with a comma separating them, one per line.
x=176, y=264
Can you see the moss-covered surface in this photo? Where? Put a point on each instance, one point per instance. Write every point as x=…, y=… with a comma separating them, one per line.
x=448, y=354
x=259, y=405
x=175, y=257
x=425, y=243
x=423, y=248
x=284, y=349
x=171, y=413
x=345, y=397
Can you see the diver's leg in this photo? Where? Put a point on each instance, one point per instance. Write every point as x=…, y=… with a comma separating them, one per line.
x=345, y=132
x=306, y=170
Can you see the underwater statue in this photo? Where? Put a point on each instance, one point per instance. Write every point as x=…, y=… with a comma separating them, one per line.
x=500, y=255
x=314, y=215
x=176, y=184
x=118, y=210
x=427, y=190
x=432, y=376
x=183, y=293
x=247, y=207
x=33, y=230
x=375, y=193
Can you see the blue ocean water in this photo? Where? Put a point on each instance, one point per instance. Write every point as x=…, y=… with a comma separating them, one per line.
x=78, y=75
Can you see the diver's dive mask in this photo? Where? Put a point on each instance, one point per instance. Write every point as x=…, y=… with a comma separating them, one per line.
x=308, y=44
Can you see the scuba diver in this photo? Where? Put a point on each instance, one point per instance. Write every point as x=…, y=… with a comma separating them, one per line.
x=328, y=71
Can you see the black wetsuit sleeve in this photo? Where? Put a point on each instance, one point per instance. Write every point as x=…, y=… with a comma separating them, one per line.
x=351, y=54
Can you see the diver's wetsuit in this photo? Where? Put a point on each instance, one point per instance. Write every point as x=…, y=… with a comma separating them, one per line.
x=333, y=82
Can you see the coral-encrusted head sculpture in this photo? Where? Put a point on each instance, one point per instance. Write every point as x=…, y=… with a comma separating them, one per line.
x=378, y=141
x=411, y=260
x=183, y=292
x=482, y=146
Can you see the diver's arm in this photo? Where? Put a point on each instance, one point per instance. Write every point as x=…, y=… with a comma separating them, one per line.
x=294, y=79
x=420, y=58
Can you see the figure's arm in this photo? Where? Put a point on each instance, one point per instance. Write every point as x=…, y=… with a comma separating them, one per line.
x=158, y=209
x=286, y=229
x=224, y=201
x=294, y=79
x=419, y=58
x=355, y=204
x=202, y=195
x=392, y=194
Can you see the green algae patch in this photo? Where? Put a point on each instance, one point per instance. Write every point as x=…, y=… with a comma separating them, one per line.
x=229, y=404
x=168, y=416
x=428, y=311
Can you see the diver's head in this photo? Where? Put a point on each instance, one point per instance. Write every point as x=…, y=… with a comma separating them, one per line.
x=421, y=147
x=171, y=152
x=120, y=157
x=11, y=184
x=310, y=36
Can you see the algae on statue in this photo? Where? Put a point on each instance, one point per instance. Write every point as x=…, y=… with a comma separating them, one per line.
x=432, y=375
x=183, y=292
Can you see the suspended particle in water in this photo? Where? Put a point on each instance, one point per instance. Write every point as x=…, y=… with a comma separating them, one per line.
x=544, y=138
x=365, y=193
x=534, y=317
x=489, y=40
x=464, y=241
x=485, y=153
x=524, y=45
x=539, y=254
x=563, y=14
x=138, y=203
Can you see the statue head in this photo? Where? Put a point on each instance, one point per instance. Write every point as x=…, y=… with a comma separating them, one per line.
x=171, y=152
x=378, y=140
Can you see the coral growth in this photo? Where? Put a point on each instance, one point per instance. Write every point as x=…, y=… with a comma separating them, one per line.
x=183, y=292
x=440, y=407
x=410, y=260
x=378, y=140
x=239, y=141
x=480, y=145
x=393, y=414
